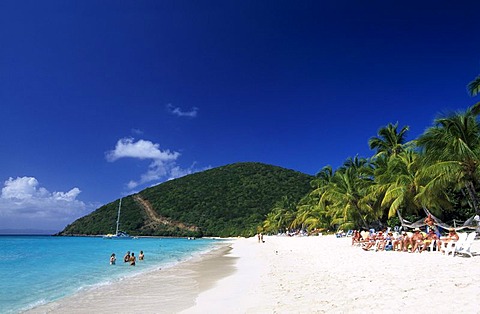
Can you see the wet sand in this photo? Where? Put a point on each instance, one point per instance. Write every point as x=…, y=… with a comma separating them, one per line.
x=167, y=290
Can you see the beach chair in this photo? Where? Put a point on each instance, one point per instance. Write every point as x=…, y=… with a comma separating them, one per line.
x=432, y=245
x=453, y=245
x=465, y=248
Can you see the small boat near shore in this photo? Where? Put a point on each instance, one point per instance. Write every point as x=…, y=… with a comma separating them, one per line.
x=119, y=235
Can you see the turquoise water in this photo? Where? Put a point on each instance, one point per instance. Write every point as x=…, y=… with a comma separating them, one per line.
x=39, y=269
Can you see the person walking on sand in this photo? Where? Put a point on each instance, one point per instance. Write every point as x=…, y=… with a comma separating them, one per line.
x=113, y=259
x=132, y=259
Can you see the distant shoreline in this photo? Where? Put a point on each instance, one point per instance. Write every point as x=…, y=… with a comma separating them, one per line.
x=26, y=232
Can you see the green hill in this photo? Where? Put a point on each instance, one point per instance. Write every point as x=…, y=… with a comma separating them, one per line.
x=225, y=201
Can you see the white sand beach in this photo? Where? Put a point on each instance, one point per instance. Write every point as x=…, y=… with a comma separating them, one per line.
x=294, y=275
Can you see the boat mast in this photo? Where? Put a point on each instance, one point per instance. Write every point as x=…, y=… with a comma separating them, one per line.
x=118, y=215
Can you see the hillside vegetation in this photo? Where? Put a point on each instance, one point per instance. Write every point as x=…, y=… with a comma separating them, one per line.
x=230, y=200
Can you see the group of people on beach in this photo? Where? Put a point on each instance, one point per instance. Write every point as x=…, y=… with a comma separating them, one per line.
x=128, y=258
x=416, y=241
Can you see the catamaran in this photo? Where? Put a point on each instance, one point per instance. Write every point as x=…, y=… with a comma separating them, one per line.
x=118, y=234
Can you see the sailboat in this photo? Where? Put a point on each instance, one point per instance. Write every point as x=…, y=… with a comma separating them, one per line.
x=118, y=234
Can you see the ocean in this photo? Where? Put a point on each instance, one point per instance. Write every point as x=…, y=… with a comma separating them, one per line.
x=39, y=269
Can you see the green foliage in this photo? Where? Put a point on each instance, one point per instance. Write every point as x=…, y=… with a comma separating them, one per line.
x=473, y=87
x=232, y=200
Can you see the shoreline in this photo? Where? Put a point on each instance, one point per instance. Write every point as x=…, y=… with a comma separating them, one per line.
x=170, y=289
x=321, y=274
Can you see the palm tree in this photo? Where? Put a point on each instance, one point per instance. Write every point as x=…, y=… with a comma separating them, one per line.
x=452, y=151
x=324, y=174
x=281, y=216
x=360, y=165
x=311, y=214
x=343, y=195
x=311, y=211
x=389, y=141
x=473, y=87
x=270, y=223
x=402, y=183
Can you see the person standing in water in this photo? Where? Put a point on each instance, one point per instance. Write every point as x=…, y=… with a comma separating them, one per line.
x=113, y=259
x=141, y=256
x=132, y=259
x=126, y=258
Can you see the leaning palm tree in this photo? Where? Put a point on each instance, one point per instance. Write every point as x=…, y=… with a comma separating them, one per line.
x=389, y=141
x=452, y=151
x=310, y=214
x=283, y=213
x=311, y=210
x=343, y=195
x=403, y=184
x=270, y=224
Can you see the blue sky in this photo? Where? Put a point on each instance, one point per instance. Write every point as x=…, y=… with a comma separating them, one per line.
x=100, y=99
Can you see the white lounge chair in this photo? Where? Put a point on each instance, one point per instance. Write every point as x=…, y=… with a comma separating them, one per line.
x=432, y=246
x=451, y=246
x=465, y=248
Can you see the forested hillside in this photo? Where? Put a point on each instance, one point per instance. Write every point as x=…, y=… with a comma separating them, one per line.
x=225, y=201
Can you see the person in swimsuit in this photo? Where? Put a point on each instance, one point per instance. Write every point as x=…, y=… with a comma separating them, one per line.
x=141, y=256
x=443, y=241
x=132, y=259
x=417, y=240
x=431, y=237
x=380, y=241
x=370, y=241
x=113, y=259
x=356, y=237
x=398, y=241
x=388, y=245
x=126, y=258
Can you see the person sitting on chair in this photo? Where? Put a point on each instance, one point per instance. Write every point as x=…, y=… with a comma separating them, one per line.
x=407, y=241
x=398, y=241
x=370, y=241
x=443, y=241
x=431, y=237
x=389, y=241
x=380, y=241
x=417, y=240
x=356, y=237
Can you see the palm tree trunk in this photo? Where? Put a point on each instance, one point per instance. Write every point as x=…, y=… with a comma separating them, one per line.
x=473, y=196
x=361, y=216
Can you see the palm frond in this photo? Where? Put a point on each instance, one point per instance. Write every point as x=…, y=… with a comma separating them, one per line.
x=473, y=87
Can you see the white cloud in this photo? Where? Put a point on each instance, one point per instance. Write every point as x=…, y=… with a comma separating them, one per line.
x=163, y=162
x=30, y=205
x=178, y=111
x=177, y=172
x=137, y=131
x=127, y=148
